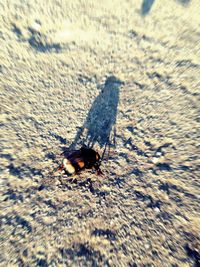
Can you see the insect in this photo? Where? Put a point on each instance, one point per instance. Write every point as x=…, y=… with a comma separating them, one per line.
x=84, y=158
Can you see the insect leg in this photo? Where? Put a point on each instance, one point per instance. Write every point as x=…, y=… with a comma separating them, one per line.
x=114, y=137
x=104, y=151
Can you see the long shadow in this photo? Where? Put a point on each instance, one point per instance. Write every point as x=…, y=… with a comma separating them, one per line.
x=100, y=122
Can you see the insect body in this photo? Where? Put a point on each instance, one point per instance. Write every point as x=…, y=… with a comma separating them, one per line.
x=85, y=158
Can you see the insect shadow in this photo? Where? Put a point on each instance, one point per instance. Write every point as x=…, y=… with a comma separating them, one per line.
x=101, y=119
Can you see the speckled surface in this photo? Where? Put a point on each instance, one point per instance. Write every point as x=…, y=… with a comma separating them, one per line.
x=57, y=60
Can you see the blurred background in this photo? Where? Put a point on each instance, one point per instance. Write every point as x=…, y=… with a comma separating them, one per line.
x=123, y=71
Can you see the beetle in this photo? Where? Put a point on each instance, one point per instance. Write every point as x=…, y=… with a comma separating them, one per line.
x=77, y=160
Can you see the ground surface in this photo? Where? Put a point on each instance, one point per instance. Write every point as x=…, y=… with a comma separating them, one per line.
x=85, y=71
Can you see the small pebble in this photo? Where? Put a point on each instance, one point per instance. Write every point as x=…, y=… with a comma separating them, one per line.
x=157, y=210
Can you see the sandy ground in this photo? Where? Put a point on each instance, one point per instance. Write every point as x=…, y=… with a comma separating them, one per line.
x=89, y=71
